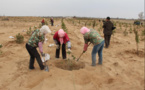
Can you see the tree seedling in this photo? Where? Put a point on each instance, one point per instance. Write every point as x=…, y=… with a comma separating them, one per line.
x=136, y=39
x=19, y=38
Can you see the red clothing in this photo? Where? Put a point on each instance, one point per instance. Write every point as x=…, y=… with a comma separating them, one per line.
x=42, y=21
x=65, y=38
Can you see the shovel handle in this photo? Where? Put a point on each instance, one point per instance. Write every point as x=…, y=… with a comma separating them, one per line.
x=82, y=53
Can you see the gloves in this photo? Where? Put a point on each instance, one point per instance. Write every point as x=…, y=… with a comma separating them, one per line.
x=85, y=47
x=43, y=54
x=69, y=50
x=56, y=42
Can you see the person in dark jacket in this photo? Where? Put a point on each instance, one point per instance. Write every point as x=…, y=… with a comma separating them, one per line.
x=52, y=21
x=108, y=25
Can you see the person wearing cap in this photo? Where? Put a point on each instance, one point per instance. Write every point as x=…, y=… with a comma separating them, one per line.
x=36, y=40
x=61, y=38
x=108, y=25
x=92, y=36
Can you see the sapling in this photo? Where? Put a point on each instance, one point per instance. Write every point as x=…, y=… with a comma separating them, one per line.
x=120, y=25
x=86, y=23
x=63, y=26
x=1, y=45
x=19, y=38
x=40, y=25
x=113, y=32
x=125, y=32
x=94, y=23
x=136, y=39
x=1, y=52
x=79, y=22
x=34, y=27
x=99, y=30
x=143, y=34
x=29, y=32
x=130, y=30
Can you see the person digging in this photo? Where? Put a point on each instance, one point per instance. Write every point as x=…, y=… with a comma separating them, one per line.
x=36, y=40
x=61, y=38
x=92, y=36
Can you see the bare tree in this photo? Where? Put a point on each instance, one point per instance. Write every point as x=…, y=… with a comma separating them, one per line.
x=140, y=15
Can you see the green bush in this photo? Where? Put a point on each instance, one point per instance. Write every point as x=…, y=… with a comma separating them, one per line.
x=29, y=32
x=136, y=39
x=130, y=30
x=19, y=38
x=63, y=26
x=143, y=34
x=1, y=45
x=125, y=32
x=94, y=24
x=1, y=52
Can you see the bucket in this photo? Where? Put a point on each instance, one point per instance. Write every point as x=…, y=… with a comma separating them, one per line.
x=47, y=57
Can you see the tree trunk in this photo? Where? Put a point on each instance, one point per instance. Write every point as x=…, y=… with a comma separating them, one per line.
x=137, y=48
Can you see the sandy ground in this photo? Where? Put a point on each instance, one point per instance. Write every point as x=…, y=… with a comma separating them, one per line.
x=121, y=69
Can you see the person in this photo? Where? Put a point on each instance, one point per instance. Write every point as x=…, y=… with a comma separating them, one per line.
x=108, y=25
x=61, y=38
x=51, y=20
x=43, y=22
x=92, y=36
x=36, y=40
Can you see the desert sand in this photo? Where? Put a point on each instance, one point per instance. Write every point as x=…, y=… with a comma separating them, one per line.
x=122, y=68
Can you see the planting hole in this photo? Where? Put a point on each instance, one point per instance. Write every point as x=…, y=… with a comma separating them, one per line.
x=69, y=64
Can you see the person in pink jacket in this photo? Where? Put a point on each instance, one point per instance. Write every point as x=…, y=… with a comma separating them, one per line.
x=61, y=38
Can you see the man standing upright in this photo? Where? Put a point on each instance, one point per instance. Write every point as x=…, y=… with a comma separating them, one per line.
x=52, y=21
x=108, y=25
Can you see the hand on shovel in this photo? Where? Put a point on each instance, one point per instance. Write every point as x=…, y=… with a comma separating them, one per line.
x=43, y=54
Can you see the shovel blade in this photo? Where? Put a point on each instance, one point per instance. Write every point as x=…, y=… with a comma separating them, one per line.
x=46, y=68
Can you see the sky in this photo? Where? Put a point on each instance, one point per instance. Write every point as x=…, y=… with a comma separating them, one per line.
x=82, y=8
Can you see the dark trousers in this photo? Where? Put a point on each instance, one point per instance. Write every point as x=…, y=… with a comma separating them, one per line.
x=107, y=40
x=63, y=51
x=51, y=23
x=34, y=54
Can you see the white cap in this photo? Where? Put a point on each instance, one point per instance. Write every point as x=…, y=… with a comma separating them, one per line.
x=45, y=29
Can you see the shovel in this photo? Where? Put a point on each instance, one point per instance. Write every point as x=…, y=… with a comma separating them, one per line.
x=46, y=66
x=82, y=53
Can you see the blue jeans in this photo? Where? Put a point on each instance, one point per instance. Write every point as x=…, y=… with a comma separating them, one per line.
x=97, y=48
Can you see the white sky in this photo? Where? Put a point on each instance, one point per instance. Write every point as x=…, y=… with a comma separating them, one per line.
x=85, y=8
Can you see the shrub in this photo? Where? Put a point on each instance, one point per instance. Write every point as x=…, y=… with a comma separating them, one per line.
x=29, y=32
x=94, y=23
x=63, y=26
x=136, y=38
x=130, y=30
x=1, y=45
x=19, y=38
x=1, y=52
x=143, y=34
x=125, y=32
